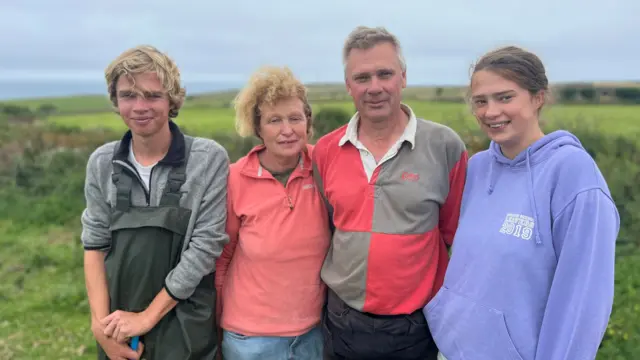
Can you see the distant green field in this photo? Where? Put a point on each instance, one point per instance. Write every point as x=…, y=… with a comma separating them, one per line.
x=619, y=119
x=84, y=103
x=196, y=120
x=316, y=93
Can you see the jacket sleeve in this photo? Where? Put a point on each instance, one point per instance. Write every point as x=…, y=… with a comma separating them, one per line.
x=96, y=216
x=581, y=295
x=222, y=265
x=208, y=236
x=232, y=229
x=450, y=211
x=318, y=179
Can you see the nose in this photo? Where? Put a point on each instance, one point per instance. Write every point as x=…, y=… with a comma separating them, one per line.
x=141, y=104
x=375, y=86
x=286, y=128
x=493, y=110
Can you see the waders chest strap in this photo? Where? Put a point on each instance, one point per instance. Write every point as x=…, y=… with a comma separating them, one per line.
x=171, y=196
x=177, y=177
x=123, y=184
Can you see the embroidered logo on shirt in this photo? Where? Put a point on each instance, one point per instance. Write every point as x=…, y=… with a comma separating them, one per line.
x=518, y=225
x=307, y=186
x=407, y=176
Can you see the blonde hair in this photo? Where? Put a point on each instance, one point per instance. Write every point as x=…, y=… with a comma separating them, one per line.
x=143, y=59
x=364, y=38
x=267, y=86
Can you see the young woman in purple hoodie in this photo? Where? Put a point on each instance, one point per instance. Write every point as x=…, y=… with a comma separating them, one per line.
x=532, y=270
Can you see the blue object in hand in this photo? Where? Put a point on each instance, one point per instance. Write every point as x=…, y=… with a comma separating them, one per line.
x=134, y=343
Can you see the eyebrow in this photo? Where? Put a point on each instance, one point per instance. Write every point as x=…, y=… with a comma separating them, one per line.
x=494, y=94
x=367, y=73
x=356, y=75
x=145, y=93
x=279, y=115
x=153, y=93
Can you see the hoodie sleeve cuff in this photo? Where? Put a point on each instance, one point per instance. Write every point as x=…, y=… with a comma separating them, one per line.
x=171, y=294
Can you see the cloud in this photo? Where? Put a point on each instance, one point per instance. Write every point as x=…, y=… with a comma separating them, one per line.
x=74, y=40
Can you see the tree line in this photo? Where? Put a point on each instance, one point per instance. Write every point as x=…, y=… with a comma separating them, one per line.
x=596, y=95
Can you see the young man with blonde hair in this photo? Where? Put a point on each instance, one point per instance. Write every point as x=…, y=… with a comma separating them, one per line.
x=154, y=222
x=393, y=185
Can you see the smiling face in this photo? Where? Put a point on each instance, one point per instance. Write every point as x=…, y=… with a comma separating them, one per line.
x=283, y=128
x=144, y=107
x=506, y=112
x=374, y=79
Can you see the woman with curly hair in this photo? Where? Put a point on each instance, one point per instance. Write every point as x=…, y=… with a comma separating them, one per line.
x=268, y=276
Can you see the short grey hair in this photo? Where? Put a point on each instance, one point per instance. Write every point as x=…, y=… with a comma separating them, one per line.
x=363, y=38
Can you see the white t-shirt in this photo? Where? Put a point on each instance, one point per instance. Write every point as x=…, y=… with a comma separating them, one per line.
x=144, y=171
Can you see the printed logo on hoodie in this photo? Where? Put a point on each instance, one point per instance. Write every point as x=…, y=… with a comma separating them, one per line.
x=518, y=225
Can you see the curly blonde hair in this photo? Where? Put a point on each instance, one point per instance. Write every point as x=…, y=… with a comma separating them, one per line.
x=267, y=86
x=143, y=59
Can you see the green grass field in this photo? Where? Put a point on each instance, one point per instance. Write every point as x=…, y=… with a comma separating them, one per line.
x=41, y=275
x=619, y=119
x=44, y=312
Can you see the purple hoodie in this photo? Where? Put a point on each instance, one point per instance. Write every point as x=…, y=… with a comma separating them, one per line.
x=532, y=270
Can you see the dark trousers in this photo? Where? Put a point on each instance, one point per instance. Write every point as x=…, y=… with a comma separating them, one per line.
x=353, y=335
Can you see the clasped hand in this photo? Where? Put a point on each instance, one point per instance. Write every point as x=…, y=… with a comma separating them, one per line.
x=115, y=350
x=123, y=325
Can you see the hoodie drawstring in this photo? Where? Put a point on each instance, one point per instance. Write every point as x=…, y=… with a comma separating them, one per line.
x=492, y=177
x=544, y=147
x=536, y=225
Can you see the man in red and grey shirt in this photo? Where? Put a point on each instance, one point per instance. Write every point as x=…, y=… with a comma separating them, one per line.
x=393, y=184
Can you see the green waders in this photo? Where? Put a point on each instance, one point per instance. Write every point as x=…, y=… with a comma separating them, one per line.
x=146, y=245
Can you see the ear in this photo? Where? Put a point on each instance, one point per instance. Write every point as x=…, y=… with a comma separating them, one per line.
x=178, y=104
x=404, y=79
x=256, y=131
x=310, y=132
x=538, y=99
x=346, y=83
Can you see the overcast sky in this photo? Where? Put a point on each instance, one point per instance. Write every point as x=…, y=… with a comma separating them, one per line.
x=223, y=41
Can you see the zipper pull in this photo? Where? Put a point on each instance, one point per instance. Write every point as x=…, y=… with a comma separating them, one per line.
x=290, y=202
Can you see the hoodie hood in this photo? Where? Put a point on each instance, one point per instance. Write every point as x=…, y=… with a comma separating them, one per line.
x=536, y=153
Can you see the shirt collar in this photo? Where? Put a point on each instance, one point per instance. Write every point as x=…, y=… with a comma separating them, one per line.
x=175, y=155
x=409, y=134
x=251, y=164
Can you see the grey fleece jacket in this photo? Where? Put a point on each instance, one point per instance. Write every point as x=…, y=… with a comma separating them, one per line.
x=204, y=192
